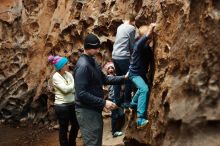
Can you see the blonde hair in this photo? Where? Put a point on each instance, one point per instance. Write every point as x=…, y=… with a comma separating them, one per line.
x=143, y=29
x=130, y=17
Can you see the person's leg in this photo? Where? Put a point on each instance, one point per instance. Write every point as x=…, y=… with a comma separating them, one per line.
x=91, y=126
x=62, y=115
x=116, y=126
x=113, y=121
x=142, y=100
x=74, y=126
x=117, y=88
x=122, y=67
x=134, y=101
x=128, y=90
x=141, y=95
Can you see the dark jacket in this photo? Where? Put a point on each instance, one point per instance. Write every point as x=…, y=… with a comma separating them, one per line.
x=89, y=80
x=140, y=58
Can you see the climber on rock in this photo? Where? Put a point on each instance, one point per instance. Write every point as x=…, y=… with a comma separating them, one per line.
x=140, y=60
x=121, y=54
x=89, y=80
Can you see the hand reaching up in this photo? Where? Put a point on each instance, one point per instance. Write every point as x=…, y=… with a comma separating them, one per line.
x=151, y=29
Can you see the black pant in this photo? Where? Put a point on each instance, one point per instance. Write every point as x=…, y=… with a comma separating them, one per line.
x=121, y=68
x=66, y=114
x=118, y=119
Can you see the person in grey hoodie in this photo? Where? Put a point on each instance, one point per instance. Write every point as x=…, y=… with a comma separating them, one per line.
x=121, y=54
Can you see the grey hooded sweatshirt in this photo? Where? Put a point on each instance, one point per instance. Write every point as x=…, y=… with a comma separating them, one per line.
x=124, y=42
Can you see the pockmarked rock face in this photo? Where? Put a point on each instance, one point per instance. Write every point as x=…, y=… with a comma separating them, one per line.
x=184, y=100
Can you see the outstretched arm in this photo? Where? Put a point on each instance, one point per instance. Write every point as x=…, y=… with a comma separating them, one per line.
x=113, y=80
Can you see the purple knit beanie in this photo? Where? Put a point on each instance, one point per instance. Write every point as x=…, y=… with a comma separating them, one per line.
x=58, y=61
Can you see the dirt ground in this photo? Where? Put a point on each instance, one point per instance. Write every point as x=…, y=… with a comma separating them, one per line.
x=41, y=136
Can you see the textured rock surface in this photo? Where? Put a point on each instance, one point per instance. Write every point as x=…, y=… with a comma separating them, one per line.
x=184, y=105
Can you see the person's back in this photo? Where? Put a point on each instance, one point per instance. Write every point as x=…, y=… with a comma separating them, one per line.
x=141, y=58
x=124, y=41
x=121, y=54
x=87, y=68
x=137, y=74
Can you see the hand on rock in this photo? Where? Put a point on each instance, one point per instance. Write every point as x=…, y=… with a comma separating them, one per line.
x=151, y=29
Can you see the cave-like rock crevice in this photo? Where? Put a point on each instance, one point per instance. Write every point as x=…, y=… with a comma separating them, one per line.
x=184, y=105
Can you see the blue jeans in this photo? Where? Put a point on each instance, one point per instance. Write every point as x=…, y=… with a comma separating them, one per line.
x=141, y=96
x=121, y=67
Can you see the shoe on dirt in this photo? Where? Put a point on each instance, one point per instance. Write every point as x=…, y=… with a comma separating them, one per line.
x=117, y=133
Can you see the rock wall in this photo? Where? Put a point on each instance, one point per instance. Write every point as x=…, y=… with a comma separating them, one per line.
x=184, y=104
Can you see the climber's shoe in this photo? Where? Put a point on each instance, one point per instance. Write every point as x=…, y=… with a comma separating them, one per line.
x=141, y=122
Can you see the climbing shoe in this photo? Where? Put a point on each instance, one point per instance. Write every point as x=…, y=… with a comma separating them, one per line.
x=117, y=133
x=141, y=122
